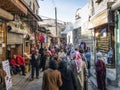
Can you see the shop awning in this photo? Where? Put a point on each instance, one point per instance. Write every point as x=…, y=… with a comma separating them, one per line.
x=13, y=6
x=116, y=5
x=6, y=15
x=99, y=27
x=102, y=26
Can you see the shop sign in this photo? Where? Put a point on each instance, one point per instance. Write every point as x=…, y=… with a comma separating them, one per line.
x=8, y=79
x=100, y=19
x=13, y=38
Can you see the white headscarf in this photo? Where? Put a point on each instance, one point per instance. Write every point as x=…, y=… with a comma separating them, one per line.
x=99, y=55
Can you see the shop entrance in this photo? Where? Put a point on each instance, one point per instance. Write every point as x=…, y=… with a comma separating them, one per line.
x=16, y=49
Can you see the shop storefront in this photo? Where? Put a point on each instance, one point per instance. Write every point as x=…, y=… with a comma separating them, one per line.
x=12, y=6
x=2, y=41
x=15, y=43
x=104, y=38
x=4, y=17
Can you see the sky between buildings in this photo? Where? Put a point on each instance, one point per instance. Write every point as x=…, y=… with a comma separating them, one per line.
x=65, y=8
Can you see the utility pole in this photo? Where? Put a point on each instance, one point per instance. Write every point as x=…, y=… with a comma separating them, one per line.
x=56, y=20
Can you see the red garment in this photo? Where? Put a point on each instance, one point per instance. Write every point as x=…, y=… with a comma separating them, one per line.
x=13, y=63
x=100, y=74
x=20, y=60
x=42, y=39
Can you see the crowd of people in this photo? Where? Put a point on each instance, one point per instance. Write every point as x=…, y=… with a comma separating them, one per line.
x=64, y=68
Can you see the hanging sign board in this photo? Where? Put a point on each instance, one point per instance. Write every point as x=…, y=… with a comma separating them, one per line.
x=100, y=19
x=8, y=79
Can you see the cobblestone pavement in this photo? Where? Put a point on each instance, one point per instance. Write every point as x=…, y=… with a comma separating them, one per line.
x=23, y=83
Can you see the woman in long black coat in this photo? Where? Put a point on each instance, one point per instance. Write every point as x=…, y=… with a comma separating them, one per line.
x=68, y=78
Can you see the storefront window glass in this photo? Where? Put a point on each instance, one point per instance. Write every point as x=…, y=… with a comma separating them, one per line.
x=105, y=45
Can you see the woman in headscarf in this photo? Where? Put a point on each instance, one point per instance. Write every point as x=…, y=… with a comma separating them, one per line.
x=68, y=78
x=100, y=68
x=52, y=77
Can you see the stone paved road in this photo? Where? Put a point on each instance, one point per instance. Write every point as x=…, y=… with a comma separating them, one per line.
x=22, y=83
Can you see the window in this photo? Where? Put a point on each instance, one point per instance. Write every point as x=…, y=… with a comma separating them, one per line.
x=30, y=5
x=34, y=8
x=99, y=1
x=36, y=11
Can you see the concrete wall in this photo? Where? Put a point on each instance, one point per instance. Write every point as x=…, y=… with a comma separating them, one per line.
x=96, y=8
x=50, y=24
x=83, y=23
x=33, y=3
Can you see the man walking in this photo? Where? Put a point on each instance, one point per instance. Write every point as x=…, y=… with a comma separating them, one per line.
x=35, y=62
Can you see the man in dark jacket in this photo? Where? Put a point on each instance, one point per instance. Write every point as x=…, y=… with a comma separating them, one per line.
x=43, y=59
x=68, y=78
x=35, y=62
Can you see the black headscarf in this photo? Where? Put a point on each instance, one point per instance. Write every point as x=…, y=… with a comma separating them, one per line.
x=64, y=70
x=53, y=64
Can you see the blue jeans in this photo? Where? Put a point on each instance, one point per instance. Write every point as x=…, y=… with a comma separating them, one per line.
x=15, y=69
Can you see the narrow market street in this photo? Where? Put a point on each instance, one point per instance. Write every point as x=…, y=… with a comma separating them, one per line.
x=23, y=83
x=71, y=41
